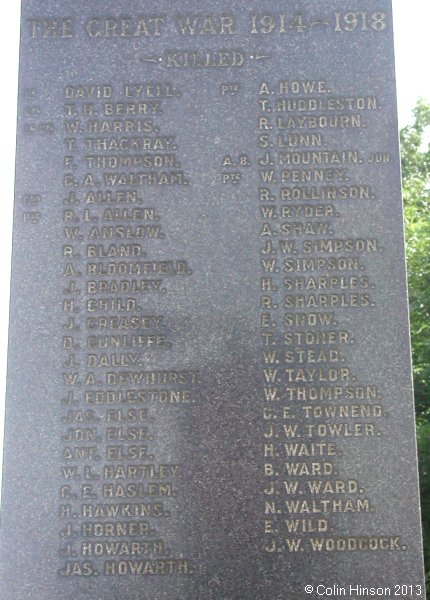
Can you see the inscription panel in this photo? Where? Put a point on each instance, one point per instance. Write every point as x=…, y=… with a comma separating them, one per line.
x=209, y=380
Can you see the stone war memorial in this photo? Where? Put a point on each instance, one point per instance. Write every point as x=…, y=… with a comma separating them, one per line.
x=209, y=386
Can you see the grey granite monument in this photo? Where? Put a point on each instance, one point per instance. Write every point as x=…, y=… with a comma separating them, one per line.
x=209, y=390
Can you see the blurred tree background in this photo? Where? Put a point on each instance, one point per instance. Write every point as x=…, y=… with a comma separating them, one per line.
x=415, y=150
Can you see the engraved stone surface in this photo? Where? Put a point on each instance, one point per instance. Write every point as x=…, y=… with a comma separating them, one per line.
x=209, y=390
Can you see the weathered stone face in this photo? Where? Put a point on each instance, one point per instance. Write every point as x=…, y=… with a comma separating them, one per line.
x=209, y=370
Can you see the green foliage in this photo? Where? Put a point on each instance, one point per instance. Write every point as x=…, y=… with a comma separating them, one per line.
x=423, y=437
x=416, y=194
